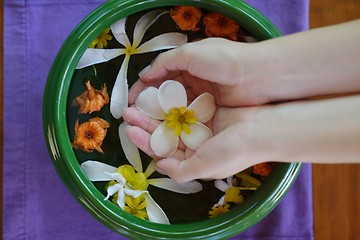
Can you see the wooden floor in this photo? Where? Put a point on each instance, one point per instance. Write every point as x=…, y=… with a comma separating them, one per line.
x=336, y=187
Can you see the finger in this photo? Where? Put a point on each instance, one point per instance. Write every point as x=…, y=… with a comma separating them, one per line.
x=140, y=138
x=190, y=58
x=135, y=117
x=213, y=159
x=164, y=65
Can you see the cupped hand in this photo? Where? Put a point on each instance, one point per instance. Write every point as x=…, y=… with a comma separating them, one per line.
x=232, y=149
x=224, y=68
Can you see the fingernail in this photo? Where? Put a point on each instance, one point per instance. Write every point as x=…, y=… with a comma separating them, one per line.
x=144, y=71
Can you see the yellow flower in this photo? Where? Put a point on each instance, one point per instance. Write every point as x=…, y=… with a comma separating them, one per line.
x=217, y=210
x=233, y=194
x=101, y=40
x=136, y=206
x=135, y=180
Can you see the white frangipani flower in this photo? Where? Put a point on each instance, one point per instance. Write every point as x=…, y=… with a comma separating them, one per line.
x=169, y=103
x=132, y=181
x=119, y=95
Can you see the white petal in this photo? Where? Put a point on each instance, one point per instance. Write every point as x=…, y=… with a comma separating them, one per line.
x=118, y=30
x=163, y=41
x=172, y=94
x=150, y=168
x=118, y=178
x=221, y=201
x=90, y=57
x=118, y=27
x=171, y=185
x=148, y=103
x=164, y=141
x=155, y=213
x=119, y=94
x=113, y=53
x=134, y=193
x=97, y=171
x=204, y=107
x=199, y=134
x=144, y=23
x=221, y=185
x=112, y=190
x=229, y=180
x=130, y=150
x=121, y=198
x=250, y=39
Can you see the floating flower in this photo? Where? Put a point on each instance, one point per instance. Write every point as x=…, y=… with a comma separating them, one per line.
x=232, y=193
x=119, y=95
x=169, y=103
x=90, y=135
x=91, y=100
x=136, y=206
x=217, y=25
x=101, y=40
x=186, y=17
x=130, y=180
x=217, y=210
x=263, y=169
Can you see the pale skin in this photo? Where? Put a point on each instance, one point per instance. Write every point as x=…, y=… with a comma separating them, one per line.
x=270, y=101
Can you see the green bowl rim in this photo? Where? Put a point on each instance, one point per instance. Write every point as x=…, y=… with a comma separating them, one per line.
x=64, y=159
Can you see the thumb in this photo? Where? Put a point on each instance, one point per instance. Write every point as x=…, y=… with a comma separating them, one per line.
x=171, y=61
x=182, y=170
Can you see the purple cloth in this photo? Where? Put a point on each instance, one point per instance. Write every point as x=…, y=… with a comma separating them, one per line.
x=36, y=204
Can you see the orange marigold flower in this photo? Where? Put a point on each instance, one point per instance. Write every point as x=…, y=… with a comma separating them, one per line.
x=186, y=17
x=217, y=25
x=90, y=135
x=91, y=100
x=263, y=169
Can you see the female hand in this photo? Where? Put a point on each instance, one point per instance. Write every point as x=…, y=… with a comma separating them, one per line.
x=231, y=150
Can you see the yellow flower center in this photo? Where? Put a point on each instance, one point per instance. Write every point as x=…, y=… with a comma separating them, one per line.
x=180, y=119
x=131, y=50
x=137, y=181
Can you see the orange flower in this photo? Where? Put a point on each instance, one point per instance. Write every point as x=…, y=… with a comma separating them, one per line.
x=186, y=17
x=217, y=25
x=91, y=100
x=263, y=169
x=90, y=135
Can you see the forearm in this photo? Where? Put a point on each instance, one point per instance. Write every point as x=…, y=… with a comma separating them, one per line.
x=318, y=62
x=322, y=131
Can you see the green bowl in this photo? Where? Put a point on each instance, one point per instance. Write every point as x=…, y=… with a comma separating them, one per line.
x=57, y=118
